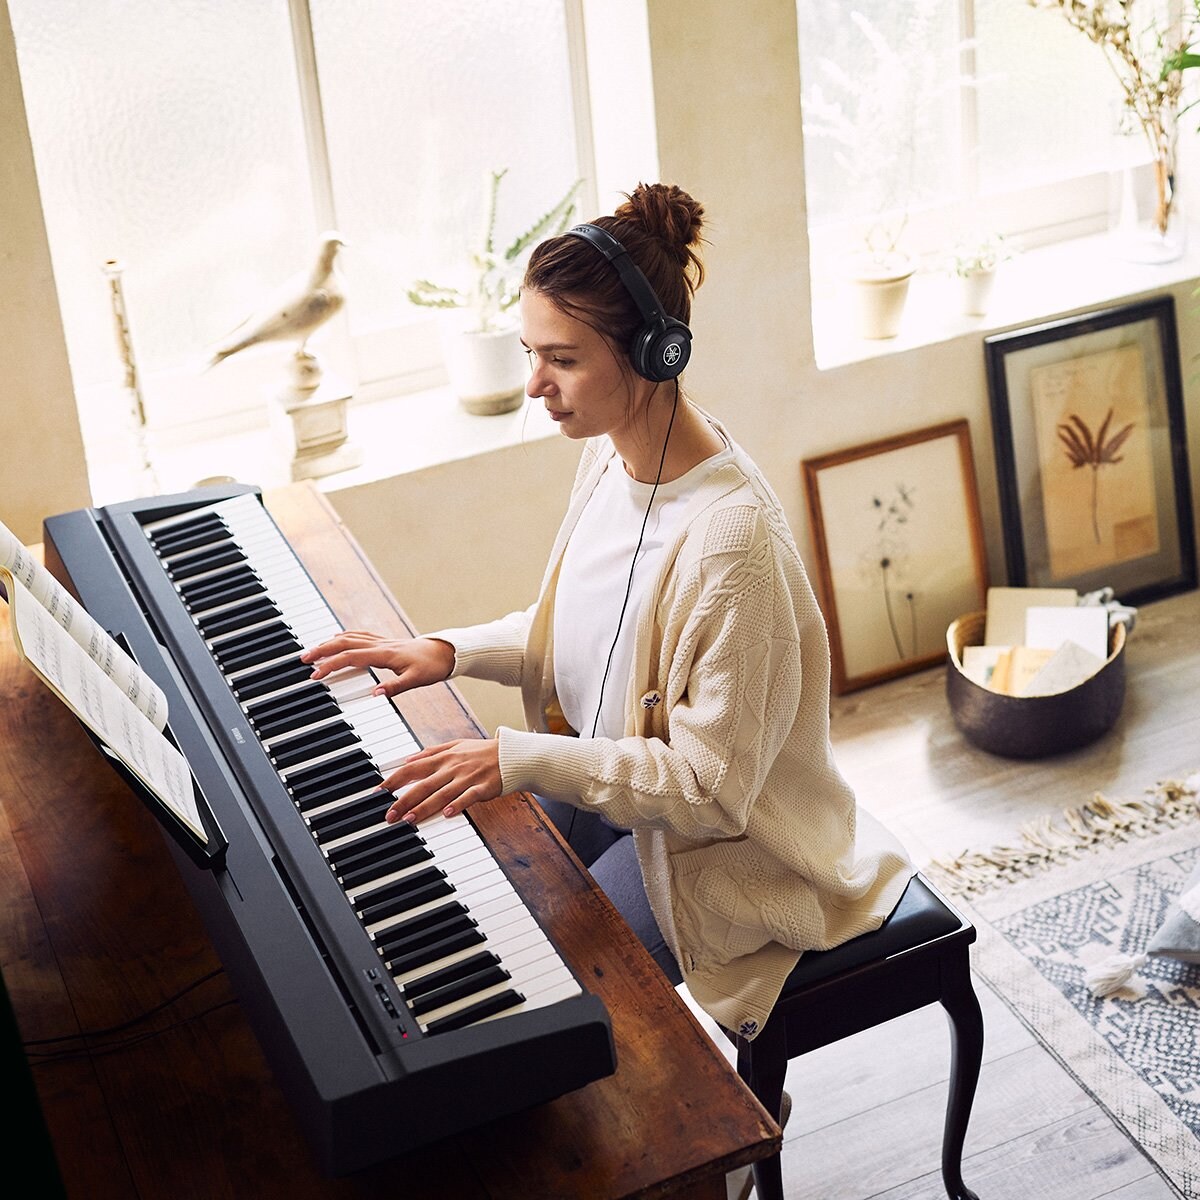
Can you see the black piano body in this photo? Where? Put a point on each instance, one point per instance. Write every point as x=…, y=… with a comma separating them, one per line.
x=365, y=1080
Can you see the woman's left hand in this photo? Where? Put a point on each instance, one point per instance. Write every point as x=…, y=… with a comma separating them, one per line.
x=445, y=779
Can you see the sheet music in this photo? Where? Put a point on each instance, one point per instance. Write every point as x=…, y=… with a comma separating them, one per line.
x=54, y=599
x=96, y=699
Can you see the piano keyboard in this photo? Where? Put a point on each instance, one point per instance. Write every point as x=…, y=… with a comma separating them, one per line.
x=459, y=941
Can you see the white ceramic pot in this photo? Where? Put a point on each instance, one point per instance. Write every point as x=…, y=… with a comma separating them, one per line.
x=487, y=371
x=878, y=291
x=976, y=292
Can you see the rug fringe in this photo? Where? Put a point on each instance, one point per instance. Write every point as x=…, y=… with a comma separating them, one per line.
x=1047, y=840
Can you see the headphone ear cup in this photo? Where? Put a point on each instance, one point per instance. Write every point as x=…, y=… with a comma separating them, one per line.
x=661, y=349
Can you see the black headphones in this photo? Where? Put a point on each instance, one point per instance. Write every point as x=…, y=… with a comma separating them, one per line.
x=662, y=346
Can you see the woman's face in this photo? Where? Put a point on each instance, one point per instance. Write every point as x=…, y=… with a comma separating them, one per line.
x=577, y=373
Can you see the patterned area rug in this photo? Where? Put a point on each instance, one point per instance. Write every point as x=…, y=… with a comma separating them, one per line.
x=1071, y=894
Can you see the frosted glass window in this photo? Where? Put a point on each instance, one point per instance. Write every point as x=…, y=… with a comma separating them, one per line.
x=891, y=120
x=1065, y=92
x=167, y=136
x=420, y=101
x=172, y=136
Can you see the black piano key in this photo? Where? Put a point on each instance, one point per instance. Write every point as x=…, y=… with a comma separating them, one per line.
x=312, y=743
x=188, y=566
x=222, y=589
x=252, y=652
x=334, y=823
x=380, y=842
x=264, y=680
x=364, y=872
x=395, y=944
x=309, y=783
x=318, y=772
x=227, y=578
x=294, y=716
x=424, y=885
x=304, y=697
x=467, y=986
x=393, y=935
x=168, y=541
x=215, y=535
x=243, y=639
x=462, y=940
x=476, y=1012
x=237, y=616
x=346, y=784
x=441, y=976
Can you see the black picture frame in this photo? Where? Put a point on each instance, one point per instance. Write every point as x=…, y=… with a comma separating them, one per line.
x=1091, y=453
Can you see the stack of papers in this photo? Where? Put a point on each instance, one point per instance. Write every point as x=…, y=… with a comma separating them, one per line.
x=1037, y=642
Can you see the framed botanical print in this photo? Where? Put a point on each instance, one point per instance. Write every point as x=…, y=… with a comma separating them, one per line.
x=899, y=550
x=1091, y=453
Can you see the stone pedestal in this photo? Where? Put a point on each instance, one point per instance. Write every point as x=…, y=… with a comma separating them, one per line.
x=312, y=421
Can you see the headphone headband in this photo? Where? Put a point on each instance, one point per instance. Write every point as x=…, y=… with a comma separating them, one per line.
x=662, y=346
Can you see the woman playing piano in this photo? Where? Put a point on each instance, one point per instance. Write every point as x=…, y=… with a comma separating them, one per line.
x=674, y=667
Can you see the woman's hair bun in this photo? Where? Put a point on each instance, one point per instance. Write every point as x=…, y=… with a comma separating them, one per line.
x=672, y=219
x=668, y=214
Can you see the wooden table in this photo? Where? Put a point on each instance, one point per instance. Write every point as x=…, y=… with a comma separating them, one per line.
x=98, y=930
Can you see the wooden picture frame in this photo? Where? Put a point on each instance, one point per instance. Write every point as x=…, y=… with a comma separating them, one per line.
x=899, y=550
x=1091, y=453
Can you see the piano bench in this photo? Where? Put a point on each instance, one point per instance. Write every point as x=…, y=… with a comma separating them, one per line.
x=917, y=957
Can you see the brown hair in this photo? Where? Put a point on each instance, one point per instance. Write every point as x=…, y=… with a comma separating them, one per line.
x=659, y=226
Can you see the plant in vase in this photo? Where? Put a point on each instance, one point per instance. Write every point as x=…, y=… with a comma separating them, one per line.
x=481, y=342
x=974, y=263
x=1146, y=43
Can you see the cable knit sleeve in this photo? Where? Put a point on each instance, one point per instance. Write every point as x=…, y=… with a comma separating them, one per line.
x=493, y=651
x=728, y=677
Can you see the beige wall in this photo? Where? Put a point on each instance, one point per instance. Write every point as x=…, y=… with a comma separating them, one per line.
x=43, y=469
x=467, y=540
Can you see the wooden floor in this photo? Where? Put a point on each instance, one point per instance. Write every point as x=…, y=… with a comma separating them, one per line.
x=867, y=1112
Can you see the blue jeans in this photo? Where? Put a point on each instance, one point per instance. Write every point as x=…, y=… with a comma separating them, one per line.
x=607, y=852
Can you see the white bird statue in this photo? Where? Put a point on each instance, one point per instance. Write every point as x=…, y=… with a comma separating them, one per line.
x=296, y=311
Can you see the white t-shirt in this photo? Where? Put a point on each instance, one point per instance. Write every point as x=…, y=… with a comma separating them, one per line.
x=591, y=589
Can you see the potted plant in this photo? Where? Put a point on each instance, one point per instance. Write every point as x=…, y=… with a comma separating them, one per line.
x=481, y=342
x=974, y=264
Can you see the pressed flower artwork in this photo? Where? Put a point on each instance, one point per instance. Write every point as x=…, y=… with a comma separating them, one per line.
x=899, y=550
x=1089, y=434
x=1092, y=421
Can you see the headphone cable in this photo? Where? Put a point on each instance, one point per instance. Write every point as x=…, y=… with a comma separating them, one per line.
x=633, y=564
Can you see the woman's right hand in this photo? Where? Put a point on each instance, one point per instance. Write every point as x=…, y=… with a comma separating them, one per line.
x=415, y=662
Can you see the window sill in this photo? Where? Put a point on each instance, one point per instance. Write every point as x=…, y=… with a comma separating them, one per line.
x=395, y=435
x=1034, y=286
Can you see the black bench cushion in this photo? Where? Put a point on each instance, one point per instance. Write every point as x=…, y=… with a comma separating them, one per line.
x=920, y=916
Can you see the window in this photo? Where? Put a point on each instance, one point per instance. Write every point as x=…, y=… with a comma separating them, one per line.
x=205, y=144
x=935, y=119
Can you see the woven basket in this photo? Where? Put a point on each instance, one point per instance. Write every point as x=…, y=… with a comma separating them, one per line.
x=1032, y=726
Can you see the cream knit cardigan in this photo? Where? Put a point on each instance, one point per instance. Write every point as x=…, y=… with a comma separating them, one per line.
x=746, y=833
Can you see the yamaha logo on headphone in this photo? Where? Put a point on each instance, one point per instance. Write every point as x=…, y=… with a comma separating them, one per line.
x=662, y=346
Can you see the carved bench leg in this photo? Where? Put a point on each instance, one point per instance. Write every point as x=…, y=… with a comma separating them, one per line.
x=966, y=1055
